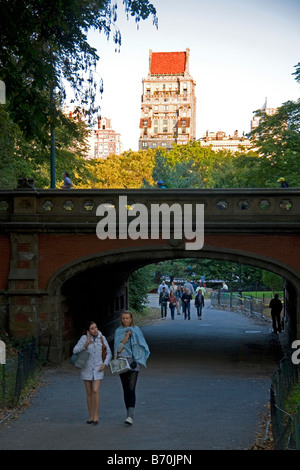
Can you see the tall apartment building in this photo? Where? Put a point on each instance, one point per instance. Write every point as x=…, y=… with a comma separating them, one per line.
x=168, y=105
x=104, y=140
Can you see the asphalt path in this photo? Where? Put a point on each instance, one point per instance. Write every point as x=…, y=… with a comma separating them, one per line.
x=205, y=387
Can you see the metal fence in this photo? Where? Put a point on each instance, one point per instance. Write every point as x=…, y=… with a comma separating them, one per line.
x=285, y=427
x=16, y=372
x=236, y=302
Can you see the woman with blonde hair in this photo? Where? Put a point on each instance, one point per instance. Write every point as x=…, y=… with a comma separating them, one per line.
x=129, y=341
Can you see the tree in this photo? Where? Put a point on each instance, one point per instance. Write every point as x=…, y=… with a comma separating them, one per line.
x=273, y=281
x=277, y=140
x=43, y=46
x=45, y=43
x=139, y=282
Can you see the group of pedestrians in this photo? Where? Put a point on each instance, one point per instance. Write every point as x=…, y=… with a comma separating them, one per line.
x=129, y=341
x=179, y=298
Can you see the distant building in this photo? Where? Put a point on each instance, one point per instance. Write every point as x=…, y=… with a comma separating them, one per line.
x=104, y=141
x=168, y=107
x=266, y=110
x=220, y=141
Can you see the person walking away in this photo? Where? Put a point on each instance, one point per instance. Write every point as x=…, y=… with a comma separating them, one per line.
x=178, y=295
x=276, y=307
x=163, y=302
x=173, y=287
x=199, y=303
x=92, y=374
x=172, y=304
x=224, y=287
x=188, y=285
x=67, y=181
x=129, y=341
x=186, y=302
x=161, y=286
x=201, y=287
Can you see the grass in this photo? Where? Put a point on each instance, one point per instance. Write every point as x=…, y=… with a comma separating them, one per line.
x=293, y=400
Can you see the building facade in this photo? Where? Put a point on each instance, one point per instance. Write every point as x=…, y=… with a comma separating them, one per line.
x=264, y=109
x=168, y=104
x=220, y=141
x=104, y=141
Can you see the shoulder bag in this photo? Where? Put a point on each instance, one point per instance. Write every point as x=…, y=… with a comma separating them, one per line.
x=119, y=365
x=104, y=350
x=80, y=359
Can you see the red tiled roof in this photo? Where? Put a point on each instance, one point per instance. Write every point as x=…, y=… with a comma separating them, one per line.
x=166, y=63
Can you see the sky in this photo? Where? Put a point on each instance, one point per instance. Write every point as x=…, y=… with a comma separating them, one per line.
x=241, y=52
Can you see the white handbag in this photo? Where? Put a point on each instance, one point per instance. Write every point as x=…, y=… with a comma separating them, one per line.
x=119, y=365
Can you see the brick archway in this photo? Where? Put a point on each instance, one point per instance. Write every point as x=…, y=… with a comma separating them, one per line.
x=48, y=240
x=77, y=289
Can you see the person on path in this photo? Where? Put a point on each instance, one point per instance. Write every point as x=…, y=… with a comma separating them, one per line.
x=92, y=374
x=163, y=302
x=199, y=303
x=178, y=295
x=186, y=302
x=172, y=304
x=161, y=286
x=67, y=181
x=188, y=285
x=129, y=341
x=276, y=307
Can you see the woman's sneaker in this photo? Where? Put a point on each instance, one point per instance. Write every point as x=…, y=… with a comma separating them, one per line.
x=128, y=420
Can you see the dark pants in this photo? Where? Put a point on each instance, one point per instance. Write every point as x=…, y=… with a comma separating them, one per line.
x=276, y=321
x=129, y=380
x=163, y=309
x=172, y=310
x=199, y=310
x=186, y=309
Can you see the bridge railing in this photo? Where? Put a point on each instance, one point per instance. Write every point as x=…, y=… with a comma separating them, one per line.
x=224, y=209
x=17, y=371
x=285, y=427
x=236, y=302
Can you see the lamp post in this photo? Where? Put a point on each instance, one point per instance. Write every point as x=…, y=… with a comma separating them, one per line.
x=52, y=151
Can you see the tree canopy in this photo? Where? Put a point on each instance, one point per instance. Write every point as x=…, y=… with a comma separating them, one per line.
x=45, y=43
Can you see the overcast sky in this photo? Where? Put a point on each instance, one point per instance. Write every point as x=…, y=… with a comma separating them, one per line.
x=241, y=51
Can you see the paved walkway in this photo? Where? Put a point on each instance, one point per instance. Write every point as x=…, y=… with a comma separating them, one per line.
x=205, y=387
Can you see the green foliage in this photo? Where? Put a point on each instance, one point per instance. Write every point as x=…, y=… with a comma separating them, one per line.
x=139, y=282
x=236, y=275
x=293, y=400
x=273, y=281
x=44, y=44
x=277, y=139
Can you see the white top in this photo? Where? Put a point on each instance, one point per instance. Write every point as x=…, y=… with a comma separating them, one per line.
x=91, y=370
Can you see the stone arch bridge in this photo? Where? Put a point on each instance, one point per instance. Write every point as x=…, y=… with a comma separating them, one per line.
x=56, y=273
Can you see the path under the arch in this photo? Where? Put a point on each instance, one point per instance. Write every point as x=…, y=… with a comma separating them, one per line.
x=206, y=386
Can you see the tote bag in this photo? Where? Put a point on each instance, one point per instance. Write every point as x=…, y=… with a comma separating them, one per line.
x=118, y=366
x=80, y=359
